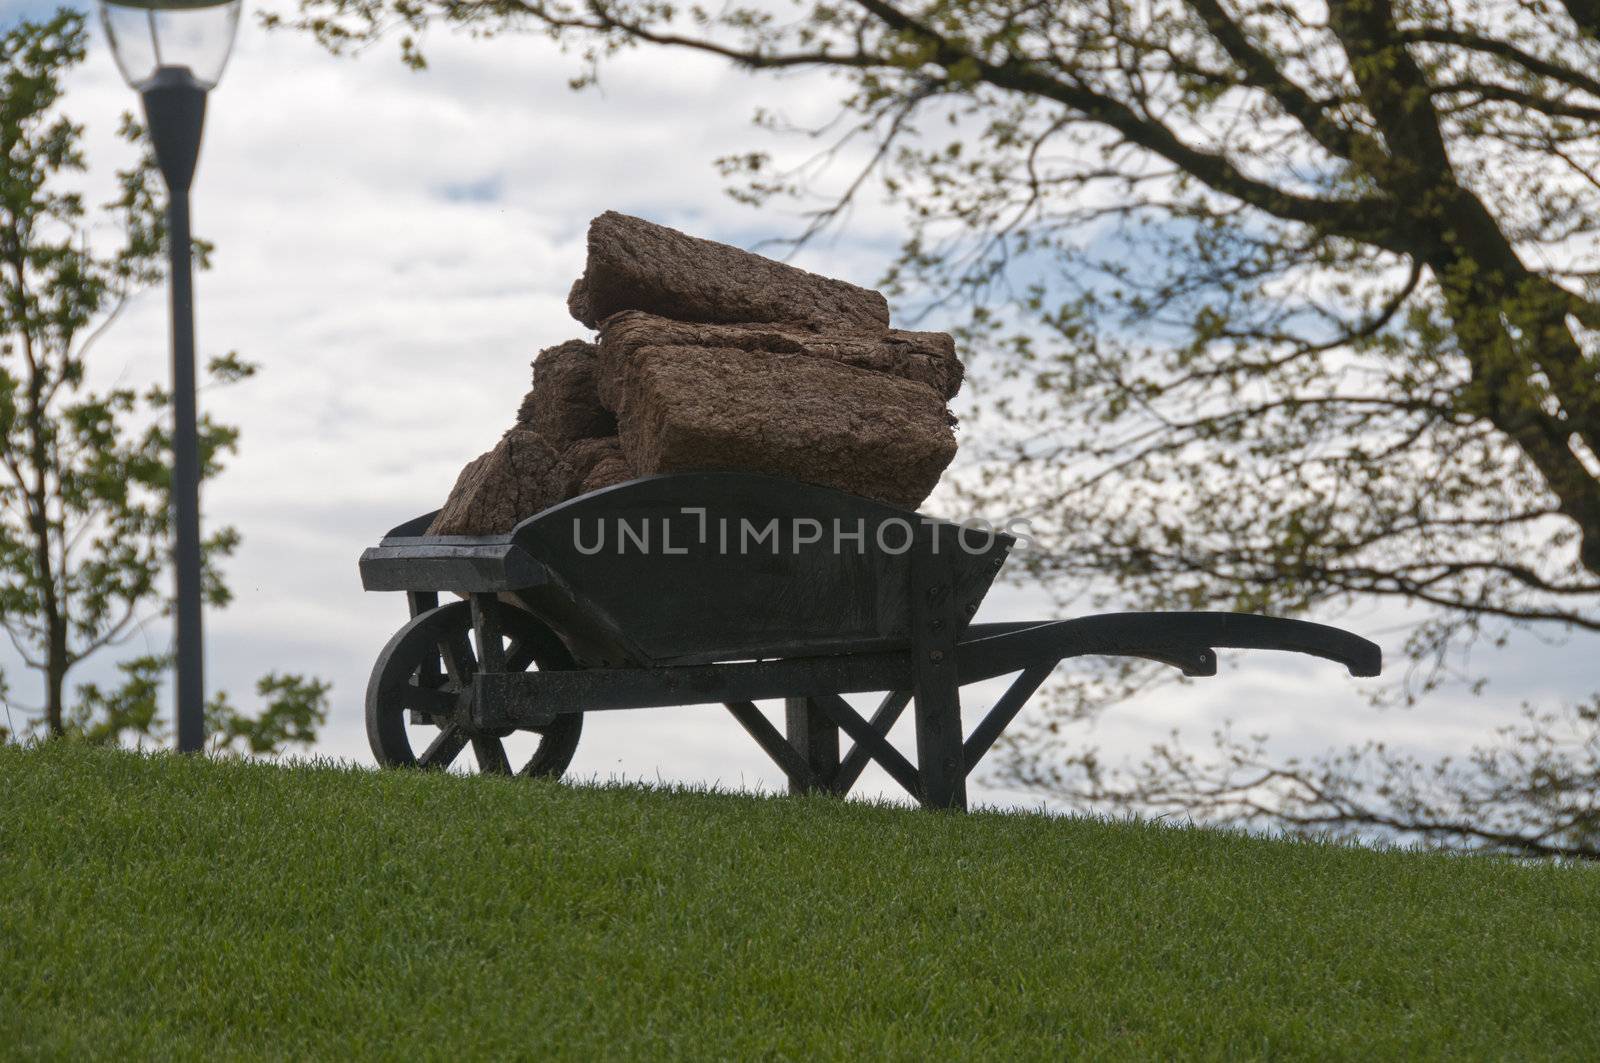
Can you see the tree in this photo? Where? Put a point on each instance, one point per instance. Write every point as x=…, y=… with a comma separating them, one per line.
x=84, y=473
x=1280, y=308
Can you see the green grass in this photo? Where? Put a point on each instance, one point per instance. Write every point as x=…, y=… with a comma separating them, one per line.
x=156, y=906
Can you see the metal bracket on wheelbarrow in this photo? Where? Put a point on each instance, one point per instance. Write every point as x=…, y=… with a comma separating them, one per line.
x=703, y=626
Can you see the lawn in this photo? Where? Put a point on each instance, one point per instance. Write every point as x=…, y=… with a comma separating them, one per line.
x=158, y=906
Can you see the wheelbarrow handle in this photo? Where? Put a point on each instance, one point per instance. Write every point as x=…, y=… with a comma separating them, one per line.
x=1185, y=640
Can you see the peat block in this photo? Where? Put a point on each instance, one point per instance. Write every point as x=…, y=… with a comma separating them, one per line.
x=580, y=460
x=607, y=472
x=710, y=357
x=519, y=477
x=811, y=419
x=634, y=264
x=564, y=405
x=927, y=357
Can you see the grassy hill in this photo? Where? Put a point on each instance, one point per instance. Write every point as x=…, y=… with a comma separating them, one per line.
x=152, y=903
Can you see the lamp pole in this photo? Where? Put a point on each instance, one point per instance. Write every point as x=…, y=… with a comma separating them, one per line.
x=175, y=110
x=172, y=52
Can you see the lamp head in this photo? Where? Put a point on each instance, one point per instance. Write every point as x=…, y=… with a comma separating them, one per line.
x=150, y=36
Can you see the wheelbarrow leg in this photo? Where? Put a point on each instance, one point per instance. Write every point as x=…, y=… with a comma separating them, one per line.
x=941, y=764
x=814, y=737
x=431, y=672
x=420, y=602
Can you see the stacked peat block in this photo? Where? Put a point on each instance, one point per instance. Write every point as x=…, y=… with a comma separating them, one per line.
x=710, y=357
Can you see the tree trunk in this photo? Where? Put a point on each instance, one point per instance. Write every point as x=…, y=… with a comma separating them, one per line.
x=55, y=681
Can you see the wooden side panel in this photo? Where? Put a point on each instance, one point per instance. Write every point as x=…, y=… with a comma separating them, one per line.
x=712, y=566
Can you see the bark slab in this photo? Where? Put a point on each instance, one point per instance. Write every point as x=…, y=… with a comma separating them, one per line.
x=635, y=264
x=564, y=404
x=518, y=478
x=790, y=415
x=926, y=357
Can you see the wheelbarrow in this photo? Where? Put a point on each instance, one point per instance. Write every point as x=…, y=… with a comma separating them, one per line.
x=726, y=588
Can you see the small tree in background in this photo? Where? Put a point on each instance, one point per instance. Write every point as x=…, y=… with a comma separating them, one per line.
x=85, y=475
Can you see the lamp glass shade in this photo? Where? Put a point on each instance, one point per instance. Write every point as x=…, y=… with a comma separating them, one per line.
x=151, y=35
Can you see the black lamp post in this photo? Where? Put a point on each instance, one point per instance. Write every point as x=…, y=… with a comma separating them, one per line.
x=173, y=52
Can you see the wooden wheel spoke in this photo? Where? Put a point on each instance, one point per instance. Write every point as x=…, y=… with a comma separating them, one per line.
x=443, y=749
x=459, y=660
x=520, y=656
x=491, y=754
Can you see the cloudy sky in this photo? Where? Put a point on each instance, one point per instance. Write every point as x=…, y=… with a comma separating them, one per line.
x=394, y=247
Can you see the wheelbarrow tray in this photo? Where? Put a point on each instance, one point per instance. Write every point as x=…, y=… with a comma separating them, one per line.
x=701, y=567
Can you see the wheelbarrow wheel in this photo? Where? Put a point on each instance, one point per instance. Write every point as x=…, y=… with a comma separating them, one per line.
x=421, y=677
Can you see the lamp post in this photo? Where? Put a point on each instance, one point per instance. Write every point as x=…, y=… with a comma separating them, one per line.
x=173, y=52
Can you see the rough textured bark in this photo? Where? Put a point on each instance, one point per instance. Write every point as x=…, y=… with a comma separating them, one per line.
x=519, y=477
x=607, y=472
x=579, y=461
x=563, y=405
x=785, y=415
x=524, y=474
x=926, y=357
x=634, y=264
